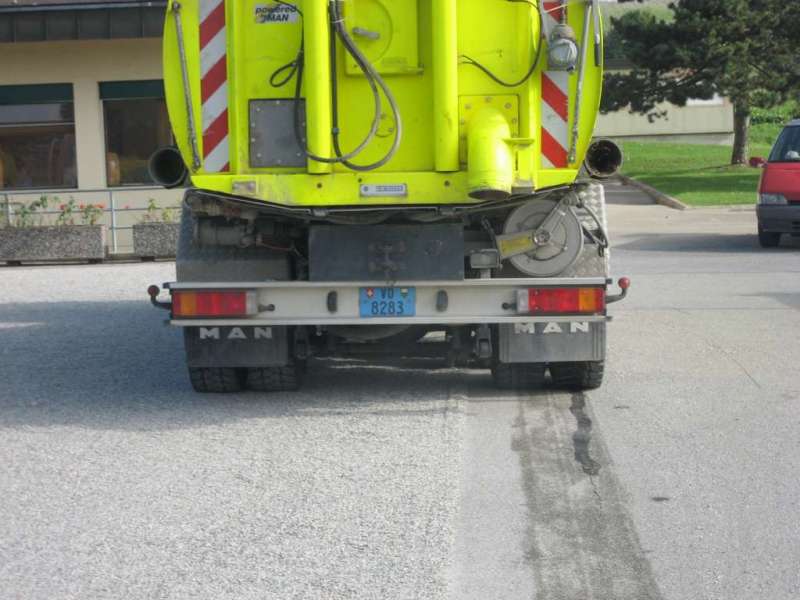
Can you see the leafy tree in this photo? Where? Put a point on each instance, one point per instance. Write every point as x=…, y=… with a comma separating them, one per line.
x=740, y=49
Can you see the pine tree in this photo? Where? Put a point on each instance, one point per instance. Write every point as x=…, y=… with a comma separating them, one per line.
x=744, y=50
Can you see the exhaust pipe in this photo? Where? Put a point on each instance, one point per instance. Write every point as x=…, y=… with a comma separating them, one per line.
x=167, y=168
x=603, y=159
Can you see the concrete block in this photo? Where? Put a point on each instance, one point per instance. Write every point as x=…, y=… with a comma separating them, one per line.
x=67, y=242
x=155, y=240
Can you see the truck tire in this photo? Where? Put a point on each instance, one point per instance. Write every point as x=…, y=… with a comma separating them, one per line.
x=213, y=380
x=274, y=379
x=578, y=376
x=768, y=239
x=523, y=376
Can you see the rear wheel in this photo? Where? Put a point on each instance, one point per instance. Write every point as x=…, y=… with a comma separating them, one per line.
x=215, y=380
x=524, y=376
x=578, y=376
x=275, y=379
x=768, y=239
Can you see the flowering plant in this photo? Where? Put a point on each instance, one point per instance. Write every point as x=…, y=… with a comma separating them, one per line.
x=91, y=213
x=66, y=214
x=27, y=213
x=156, y=214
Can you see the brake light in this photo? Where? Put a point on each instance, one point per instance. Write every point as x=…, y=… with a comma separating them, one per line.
x=212, y=303
x=561, y=300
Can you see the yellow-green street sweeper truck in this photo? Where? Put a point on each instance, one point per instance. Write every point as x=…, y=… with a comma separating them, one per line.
x=387, y=178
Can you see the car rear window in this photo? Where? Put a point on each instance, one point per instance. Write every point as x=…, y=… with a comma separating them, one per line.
x=787, y=148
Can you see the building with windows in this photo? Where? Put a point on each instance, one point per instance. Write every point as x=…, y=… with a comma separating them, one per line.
x=82, y=105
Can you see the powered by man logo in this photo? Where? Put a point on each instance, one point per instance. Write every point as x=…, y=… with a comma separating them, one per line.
x=275, y=12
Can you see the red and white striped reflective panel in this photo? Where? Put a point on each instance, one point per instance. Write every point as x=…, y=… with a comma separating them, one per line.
x=554, y=11
x=214, y=86
x=555, y=101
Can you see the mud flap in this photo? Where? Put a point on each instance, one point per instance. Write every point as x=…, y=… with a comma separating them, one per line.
x=551, y=342
x=236, y=346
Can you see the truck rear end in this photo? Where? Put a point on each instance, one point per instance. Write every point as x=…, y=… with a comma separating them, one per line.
x=387, y=178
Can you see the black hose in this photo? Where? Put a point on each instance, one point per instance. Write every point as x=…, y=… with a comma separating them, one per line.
x=369, y=72
x=536, y=59
x=373, y=79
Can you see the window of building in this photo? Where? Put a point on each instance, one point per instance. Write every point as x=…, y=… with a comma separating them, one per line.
x=136, y=125
x=37, y=137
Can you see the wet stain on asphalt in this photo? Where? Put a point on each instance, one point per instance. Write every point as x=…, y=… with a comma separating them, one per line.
x=581, y=541
x=583, y=435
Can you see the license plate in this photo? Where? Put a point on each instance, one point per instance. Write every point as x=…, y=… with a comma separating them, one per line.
x=383, y=302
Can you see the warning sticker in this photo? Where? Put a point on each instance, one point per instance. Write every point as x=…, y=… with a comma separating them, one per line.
x=512, y=245
x=275, y=12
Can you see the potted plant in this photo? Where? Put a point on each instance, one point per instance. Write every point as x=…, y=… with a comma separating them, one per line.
x=26, y=237
x=156, y=236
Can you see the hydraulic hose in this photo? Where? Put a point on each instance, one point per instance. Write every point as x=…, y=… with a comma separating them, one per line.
x=375, y=82
x=371, y=74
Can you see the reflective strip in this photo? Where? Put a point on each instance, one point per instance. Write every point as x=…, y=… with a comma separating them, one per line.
x=555, y=119
x=214, y=86
x=553, y=12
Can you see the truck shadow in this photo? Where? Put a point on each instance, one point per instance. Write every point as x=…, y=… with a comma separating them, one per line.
x=115, y=365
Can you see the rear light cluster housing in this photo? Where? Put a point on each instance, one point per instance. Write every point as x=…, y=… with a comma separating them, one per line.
x=213, y=303
x=557, y=301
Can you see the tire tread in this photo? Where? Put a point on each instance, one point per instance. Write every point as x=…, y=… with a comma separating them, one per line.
x=215, y=380
x=274, y=379
x=578, y=376
x=524, y=376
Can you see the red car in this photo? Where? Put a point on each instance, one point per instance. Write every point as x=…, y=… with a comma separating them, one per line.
x=778, y=207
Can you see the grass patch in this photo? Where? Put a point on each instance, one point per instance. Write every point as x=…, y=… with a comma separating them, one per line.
x=698, y=175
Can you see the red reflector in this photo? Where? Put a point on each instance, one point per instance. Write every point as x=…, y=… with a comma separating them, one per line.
x=566, y=300
x=209, y=304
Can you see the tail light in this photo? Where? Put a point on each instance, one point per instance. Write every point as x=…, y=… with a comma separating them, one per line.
x=549, y=301
x=210, y=303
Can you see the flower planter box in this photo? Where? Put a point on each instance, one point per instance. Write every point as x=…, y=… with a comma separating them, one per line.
x=155, y=240
x=65, y=242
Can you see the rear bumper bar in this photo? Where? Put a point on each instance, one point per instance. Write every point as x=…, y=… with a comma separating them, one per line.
x=779, y=219
x=473, y=301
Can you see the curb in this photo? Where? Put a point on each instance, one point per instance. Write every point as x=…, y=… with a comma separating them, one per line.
x=660, y=197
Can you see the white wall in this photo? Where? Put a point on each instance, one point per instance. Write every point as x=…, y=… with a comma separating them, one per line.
x=702, y=122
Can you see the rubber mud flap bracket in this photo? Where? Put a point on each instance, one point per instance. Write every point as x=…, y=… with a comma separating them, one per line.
x=483, y=343
x=333, y=302
x=442, y=301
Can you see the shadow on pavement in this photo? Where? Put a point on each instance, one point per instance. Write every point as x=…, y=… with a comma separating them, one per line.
x=619, y=193
x=704, y=242
x=115, y=365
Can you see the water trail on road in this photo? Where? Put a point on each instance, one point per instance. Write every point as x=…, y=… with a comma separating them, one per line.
x=583, y=435
x=581, y=541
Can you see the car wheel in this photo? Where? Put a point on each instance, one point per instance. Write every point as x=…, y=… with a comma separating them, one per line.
x=768, y=239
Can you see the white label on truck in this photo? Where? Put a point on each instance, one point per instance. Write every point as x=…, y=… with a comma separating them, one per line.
x=550, y=328
x=275, y=13
x=390, y=190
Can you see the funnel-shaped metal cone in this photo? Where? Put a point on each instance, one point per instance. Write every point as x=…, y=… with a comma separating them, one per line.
x=167, y=168
x=603, y=159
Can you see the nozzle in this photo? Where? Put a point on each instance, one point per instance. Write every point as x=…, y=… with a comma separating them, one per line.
x=603, y=159
x=490, y=157
x=167, y=168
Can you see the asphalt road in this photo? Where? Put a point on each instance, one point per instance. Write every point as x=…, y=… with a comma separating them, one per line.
x=678, y=480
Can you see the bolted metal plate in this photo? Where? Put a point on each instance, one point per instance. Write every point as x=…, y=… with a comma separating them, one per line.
x=386, y=252
x=273, y=143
